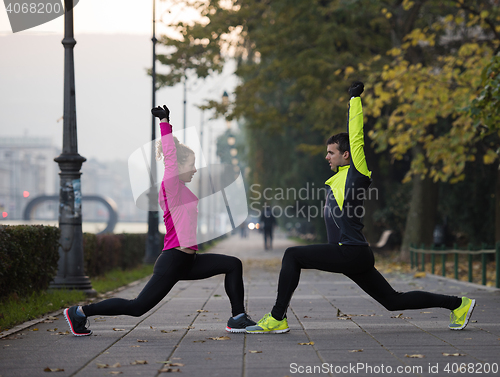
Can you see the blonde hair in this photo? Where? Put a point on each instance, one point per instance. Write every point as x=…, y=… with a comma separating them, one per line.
x=182, y=151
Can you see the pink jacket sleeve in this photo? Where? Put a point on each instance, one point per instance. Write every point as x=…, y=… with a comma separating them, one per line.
x=170, y=180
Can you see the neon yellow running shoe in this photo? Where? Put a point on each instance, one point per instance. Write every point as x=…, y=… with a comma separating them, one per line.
x=459, y=318
x=269, y=325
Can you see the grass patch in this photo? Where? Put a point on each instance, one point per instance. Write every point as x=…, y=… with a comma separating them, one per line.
x=15, y=310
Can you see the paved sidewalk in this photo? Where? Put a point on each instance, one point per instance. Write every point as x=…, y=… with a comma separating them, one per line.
x=336, y=329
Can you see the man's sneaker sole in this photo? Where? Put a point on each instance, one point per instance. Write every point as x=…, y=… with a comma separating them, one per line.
x=268, y=332
x=467, y=317
x=71, y=325
x=229, y=329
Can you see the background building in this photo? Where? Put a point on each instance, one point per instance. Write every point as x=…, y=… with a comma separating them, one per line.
x=28, y=170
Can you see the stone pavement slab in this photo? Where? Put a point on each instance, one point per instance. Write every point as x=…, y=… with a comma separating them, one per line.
x=336, y=330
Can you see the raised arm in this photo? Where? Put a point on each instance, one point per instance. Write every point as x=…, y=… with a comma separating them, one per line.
x=171, y=174
x=355, y=129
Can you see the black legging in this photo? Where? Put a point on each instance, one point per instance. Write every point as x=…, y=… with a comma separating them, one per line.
x=357, y=263
x=171, y=266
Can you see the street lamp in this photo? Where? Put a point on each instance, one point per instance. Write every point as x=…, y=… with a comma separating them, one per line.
x=153, y=240
x=70, y=272
x=225, y=102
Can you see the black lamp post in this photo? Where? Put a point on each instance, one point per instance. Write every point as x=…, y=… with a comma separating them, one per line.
x=153, y=240
x=70, y=272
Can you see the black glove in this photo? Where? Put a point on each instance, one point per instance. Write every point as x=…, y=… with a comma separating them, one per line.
x=356, y=89
x=161, y=112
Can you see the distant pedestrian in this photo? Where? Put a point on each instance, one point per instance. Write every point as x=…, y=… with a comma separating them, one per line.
x=268, y=222
x=347, y=251
x=244, y=229
x=178, y=260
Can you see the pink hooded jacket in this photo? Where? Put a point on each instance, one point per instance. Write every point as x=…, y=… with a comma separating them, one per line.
x=179, y=204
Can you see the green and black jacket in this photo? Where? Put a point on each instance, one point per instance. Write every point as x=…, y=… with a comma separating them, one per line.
x=347, y=189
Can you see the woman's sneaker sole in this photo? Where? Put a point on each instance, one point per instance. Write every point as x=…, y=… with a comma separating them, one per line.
x=65, y=312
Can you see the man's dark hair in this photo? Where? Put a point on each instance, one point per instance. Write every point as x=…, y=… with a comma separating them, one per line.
x=342, y=139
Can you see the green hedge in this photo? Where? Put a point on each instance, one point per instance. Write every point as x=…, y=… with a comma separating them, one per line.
x=28, y=258
x=106, y=252
x=29, y=255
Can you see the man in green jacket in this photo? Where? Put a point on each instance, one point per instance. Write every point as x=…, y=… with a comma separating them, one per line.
x=347, y=250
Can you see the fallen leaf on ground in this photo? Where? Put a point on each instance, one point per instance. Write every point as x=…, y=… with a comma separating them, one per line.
x=116, y=365
x=52, y=318
x=202, y=311
x=453, y=354
x=53, y=370
x=189, y=327
x=420, y=275
x=52, y=330
x=401, y=316
x=115, y=329
x=138, y=362
x=306, y=316
x=169, y=370
x=344, y=317
x=356, y=350
x=307, y=344
x=416, y=356
x=167, y=331
x=198, y=341
x=142, y=341
x=35, y=329
x=255, y=351
x=220, y=338
x=102, y=366
x=176, y=365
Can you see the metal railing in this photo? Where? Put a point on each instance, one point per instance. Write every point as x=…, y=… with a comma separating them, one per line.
x=415, y=252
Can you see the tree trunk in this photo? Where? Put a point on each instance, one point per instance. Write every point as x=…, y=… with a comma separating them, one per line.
x=421, y=218
x=497, y=207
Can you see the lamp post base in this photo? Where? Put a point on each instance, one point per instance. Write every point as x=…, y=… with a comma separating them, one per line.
x=80, y=283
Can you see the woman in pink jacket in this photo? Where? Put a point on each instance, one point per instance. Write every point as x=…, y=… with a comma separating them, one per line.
x=178, y=260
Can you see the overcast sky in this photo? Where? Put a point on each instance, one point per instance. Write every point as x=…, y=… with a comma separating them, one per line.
x=113, y=91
